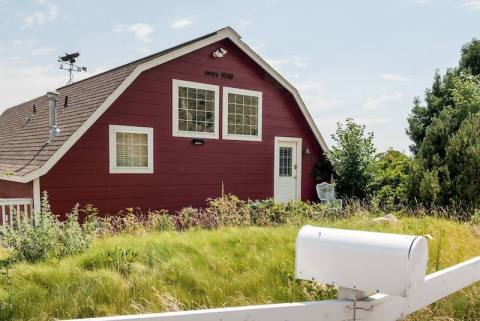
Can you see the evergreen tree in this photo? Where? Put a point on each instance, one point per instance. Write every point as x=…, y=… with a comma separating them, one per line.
x=471, y=57
x=435, y=176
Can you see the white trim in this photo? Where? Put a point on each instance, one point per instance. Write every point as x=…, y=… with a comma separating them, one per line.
x=278, y=77
x=225, y=134
x=226, y=33
x=190, y=84
x=37, y=195
x=298, y=141
x=114, y=169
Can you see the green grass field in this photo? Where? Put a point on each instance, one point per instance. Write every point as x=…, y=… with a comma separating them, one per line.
x=201, y=269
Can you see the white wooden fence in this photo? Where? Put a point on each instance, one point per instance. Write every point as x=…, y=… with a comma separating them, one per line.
x=378, y=307
x=12, y=208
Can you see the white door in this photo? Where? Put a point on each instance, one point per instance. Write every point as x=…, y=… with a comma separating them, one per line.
x=287, y=169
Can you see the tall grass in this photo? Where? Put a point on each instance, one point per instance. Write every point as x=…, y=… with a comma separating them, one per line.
x=229, y=266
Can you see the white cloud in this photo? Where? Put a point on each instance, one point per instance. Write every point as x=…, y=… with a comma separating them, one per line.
x=42, y=51
x=315, y=97
x=395, y=77
x=280, y=63
x=21, y=81
x=180, y=23
x=375, y=103
x=472, y=4
x=141, y=31
x=373, y=121
x=244, y=23
x=331, y=122
x=49, y=13
x=257, y=46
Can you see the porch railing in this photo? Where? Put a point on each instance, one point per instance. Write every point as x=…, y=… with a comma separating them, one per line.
x=12, y=208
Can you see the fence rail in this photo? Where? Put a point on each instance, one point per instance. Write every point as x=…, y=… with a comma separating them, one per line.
x=12, y=208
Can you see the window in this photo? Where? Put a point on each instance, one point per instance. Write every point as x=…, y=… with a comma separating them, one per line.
x=242, y=114
x=285, y=166
x=195, y=109
x=131, y=149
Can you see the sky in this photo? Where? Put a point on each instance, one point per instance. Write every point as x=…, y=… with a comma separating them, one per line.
x=364, y=60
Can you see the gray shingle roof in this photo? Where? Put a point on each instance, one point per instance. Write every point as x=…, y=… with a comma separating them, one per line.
x=23, y=133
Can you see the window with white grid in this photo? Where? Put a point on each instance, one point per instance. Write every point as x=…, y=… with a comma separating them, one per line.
x=242, y=114
x=195, y=109
x=285, y=159
x=131, y=149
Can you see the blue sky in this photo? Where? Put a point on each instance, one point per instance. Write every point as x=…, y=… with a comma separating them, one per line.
x=360, y=59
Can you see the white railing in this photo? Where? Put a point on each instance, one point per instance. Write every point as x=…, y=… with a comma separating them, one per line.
x=12, y=208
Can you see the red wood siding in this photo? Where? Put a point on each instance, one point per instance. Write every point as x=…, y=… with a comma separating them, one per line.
x=15, y=190
x=183, y=174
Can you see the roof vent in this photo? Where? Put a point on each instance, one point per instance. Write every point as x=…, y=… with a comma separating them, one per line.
x=52, y=103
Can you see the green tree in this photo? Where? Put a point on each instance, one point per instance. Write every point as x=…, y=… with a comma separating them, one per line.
x=436, y=128
x=471, y=57
x=463, y=159
x=435, y=178
x=389, y=185
x=352, y=157
x=429, y=187
x=439, y=96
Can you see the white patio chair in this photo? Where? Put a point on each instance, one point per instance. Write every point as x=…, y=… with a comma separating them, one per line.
x=326, y=194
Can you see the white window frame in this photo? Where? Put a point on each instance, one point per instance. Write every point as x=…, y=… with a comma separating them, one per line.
x=114, y=169
x=190, y=84
x=225, y=134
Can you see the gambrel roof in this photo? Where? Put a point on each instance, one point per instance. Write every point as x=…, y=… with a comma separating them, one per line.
x=24, y=152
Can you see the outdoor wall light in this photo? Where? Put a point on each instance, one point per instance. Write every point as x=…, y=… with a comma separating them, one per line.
x=306, y=151
x=198, y=141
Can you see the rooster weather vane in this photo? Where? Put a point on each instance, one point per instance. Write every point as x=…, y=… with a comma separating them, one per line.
x=67, y=63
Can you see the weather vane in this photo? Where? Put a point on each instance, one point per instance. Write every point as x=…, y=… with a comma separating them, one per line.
x=67, y=63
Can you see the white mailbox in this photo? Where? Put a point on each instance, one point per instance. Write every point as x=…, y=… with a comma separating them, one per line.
x=387, y=263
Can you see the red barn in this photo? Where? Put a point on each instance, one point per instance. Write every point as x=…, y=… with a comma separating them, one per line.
x=165, y=131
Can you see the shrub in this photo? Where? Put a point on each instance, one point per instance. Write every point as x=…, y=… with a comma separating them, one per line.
x=475, y=218
x=260, y=212
x=131, y=221
x=298, y=212
x=51, y=238
x=33, y=242
x=48, y=237
x=187, y=217
x=229, y=210
x=389, y=185
x=160, y=221
x=268, y=212
x=74, y=238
